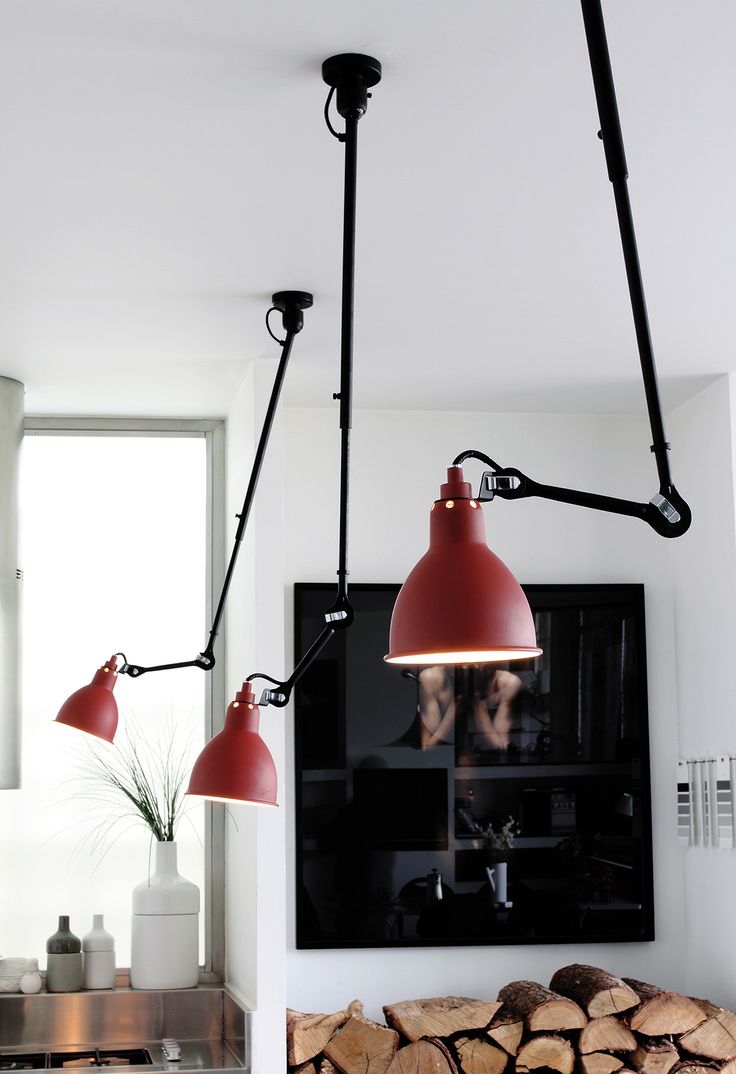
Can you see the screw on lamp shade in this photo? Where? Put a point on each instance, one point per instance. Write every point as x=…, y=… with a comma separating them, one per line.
x=236, y=766
x=460, y=604
x=93, y=708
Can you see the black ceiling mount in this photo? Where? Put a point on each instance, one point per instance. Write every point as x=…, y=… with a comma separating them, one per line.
x=291, y=305
x=352, y=75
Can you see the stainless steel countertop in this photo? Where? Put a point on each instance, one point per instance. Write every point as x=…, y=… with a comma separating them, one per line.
x=212, y=1028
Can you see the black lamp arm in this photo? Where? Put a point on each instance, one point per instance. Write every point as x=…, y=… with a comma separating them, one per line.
x=291, y=305
x=338, y=617
x=667, y=512
x=668, y=515
x=613, y=146
x=281, y=694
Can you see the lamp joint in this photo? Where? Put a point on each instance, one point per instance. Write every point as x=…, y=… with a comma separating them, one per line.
x=341, y=614
x=274, y=697
x=501, y=483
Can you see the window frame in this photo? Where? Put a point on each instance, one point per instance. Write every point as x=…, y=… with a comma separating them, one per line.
x=213, y=432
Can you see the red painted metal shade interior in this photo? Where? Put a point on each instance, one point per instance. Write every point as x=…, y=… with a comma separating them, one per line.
x=93, y=708
x=460, y=604
x=236, y=766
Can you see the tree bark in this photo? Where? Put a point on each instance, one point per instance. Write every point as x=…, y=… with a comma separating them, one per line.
x=693, y=1066
x=541, y=1008
x=440, y=1017
x=596, y=991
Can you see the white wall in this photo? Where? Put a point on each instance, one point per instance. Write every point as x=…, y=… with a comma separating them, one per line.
x=255, y=895
x=399, y=459
x=705, y=603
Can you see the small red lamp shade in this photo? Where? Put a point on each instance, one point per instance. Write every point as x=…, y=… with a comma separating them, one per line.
x=460, y=604
x=235, y=766
x=93, y=708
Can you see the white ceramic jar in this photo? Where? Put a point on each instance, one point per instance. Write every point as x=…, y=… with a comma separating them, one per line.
x=98, y=948
x=165, y=934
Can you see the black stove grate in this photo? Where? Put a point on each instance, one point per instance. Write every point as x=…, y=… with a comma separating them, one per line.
x=29, y=1061
x=90, y=1058
x=98, y=1057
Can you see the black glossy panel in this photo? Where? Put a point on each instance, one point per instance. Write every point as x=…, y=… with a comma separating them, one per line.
x=398, y=772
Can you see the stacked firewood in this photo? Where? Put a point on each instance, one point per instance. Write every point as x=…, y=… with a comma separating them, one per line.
x=587, y=1021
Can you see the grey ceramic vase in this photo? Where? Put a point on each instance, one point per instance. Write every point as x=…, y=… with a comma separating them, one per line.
x=64, y=962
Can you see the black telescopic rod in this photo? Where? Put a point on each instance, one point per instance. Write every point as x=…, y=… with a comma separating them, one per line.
x=346, y=345
x=350, y=76
x=600, y=64
x=346, y=348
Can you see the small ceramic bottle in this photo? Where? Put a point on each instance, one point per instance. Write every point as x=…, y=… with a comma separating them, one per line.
x=30, y=982
x=98, y=948
x=64, y=962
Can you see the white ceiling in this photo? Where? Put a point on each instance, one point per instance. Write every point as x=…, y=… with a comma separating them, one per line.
x=164, y=166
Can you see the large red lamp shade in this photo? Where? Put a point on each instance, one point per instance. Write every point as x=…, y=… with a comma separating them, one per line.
x=93, y=708
x=236, y=766
x=460, y=604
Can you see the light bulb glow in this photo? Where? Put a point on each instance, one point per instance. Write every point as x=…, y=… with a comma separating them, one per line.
x=478, y=656
x=233, y=801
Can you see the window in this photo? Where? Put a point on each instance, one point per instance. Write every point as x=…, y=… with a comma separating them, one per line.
x=117, y=554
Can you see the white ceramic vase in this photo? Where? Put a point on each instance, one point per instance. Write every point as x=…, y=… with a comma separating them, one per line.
x=498, y=877
x=165, y=935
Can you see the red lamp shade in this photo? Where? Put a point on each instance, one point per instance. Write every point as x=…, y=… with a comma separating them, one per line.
x=235, y=766
x=460, y=604
x=93, y=708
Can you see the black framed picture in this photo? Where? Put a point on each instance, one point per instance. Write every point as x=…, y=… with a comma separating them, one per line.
x=502, y=803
